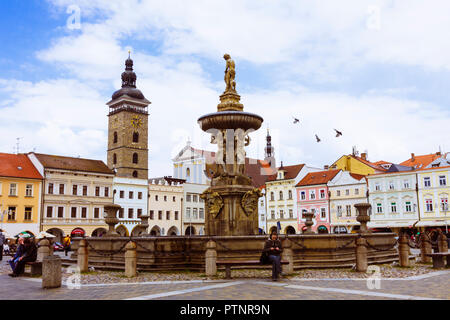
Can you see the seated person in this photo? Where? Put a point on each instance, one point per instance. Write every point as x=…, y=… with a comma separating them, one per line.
x=6, y=248
x=18, y=254
x=29, y=255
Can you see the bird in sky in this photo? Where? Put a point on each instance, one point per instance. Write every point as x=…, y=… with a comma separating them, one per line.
x=295, y=120
x=338, y=133
x=317, y=138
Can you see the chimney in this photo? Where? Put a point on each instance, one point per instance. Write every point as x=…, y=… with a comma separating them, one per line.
x=326, y=167
x=438, y=153
x=364, y=156
x=412, y=157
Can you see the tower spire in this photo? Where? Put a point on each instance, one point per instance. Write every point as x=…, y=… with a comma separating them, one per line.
x=269, y=150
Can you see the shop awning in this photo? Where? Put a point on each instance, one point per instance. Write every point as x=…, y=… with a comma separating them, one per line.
x=431, y=223
x=392, y=224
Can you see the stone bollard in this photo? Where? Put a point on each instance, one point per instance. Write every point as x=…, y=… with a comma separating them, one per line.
x=403, y=251
x=210, y=259
x=83, y=256
x=361, y=255
x=287, y=255
x=442, y=242
x=425, y=248
x=130, y=260
x=43, y=250
x=51, y=272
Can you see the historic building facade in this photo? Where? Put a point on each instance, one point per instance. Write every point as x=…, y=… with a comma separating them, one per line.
x=345, y=190
x=281, y=198
x=193, y=209
x=354, y=163
x=165, y=206
x=20, y=195
x=312, y=195
x=75, y=191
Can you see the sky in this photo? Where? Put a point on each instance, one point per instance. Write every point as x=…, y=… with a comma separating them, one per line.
x=378, y=71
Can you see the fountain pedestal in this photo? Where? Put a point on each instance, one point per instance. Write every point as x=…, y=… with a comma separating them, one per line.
x=363, y=218
x=111, y=219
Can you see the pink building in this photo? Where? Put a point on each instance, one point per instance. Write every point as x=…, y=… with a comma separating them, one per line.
x=312, y=194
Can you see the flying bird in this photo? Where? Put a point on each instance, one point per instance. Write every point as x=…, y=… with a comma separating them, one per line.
x=295, y=120
x=338, y=133
x=317, y=138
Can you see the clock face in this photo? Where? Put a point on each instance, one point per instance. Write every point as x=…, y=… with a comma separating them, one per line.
x=136, y=122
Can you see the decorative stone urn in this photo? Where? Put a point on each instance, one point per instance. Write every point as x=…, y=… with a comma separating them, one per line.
x=309, y=222
x=111, y=219
x=143, y=226
x=363, y=216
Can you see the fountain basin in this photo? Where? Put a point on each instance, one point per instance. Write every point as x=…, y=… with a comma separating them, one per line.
x=230, y=120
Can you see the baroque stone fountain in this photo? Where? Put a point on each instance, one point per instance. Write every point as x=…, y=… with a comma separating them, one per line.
x=231, y=202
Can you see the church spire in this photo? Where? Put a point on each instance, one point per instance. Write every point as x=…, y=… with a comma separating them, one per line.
x=269, y=150
x=128, y=76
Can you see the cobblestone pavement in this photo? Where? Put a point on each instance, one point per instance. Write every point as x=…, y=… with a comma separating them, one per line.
x=435, y=285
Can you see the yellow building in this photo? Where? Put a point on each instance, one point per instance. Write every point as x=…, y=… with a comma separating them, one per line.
x=359, y=165
x=434, y=192
x=20, y=195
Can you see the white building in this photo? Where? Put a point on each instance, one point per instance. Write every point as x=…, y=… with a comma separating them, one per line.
x=132, y=195
x=193, y=209
x=262, y=216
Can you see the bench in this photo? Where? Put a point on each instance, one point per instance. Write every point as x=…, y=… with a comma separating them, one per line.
x=438, y=259
x=36, y=268
x=234, y=263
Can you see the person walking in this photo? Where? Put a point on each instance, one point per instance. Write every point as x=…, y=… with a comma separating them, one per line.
x=2, y=242
x=66, y=244
x=273, y=249
x=29, y=255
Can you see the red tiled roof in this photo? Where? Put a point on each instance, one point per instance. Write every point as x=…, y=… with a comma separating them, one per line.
x=357, y=176
x=320, y=177
x=423, y=160
x=10, y=164
x=290, y=172
x=73, y=164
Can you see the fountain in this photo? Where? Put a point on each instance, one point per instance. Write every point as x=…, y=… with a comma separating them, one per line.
x=231, y=202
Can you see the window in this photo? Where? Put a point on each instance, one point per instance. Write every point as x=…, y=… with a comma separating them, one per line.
x=49, y=212
x=201, y=213
x=85, y=190
x=135, y=158
x=152, y=215
x=323, y=213
x=96, y=213
x=84, y=212
x=139, y=195
x=406, y=184
x=339, y=211
x=156, y=197
x=322, y=194
x=167, y=215
x=73, y=212
x=121, y=214
x=28, y=213
x=130, y=213
x=379, y=208
x=303, y=195
x=115, y=137
x=272, y=196
x=377, y=186
x=188, y=172
x=356, y=191
x=290, y=194
x=427, y=182
x=176, y=215
x=348, y=210
x=60, y=212
x=291, y=213
x=444, y=204
x=136, y=137
x=195, y=198
x=281, y=214
x=50, y=188
x=13, y=189
x=114, y=158
x=61, y=188
x=188, y=198
x=188, y=213
x=135, y=174
x=429, y=205
x=442, y=181
x=173, y=198
x=165, y=198
x=273, y=214
x=195, y=213
x=97, y=191
x=139, y=212
x=130, y=194
x=312, y=194
x=347, y=192
x=74, y=189
x=393, y=207
x=338, y=193
x=106, y=191
x=391, y=185
x=281, y=195
x=408, y=207
x=122, y=194
x=160, y=215
x=11, y=213
x=29, y=190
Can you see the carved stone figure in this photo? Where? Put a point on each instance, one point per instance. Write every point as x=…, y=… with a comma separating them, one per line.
x=249, y=201
x=213, y=202
x=230, y=73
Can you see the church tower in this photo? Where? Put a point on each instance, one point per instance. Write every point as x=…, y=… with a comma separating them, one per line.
x=269, y=151
x=128, y=128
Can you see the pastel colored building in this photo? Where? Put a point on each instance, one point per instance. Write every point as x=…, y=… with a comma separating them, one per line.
x=359, y=164
x=20, y=195
x=193, y=209
x=345, y=190
x=312, y=195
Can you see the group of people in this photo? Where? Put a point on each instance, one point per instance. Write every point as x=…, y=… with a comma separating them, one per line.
x=26, y=252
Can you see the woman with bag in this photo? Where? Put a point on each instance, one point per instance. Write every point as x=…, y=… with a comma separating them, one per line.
x=273, y=250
